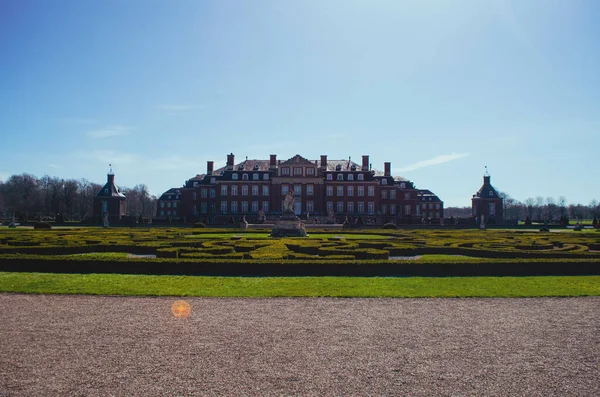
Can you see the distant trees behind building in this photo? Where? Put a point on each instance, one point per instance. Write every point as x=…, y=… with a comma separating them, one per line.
x=538, y=209
x=29, y=197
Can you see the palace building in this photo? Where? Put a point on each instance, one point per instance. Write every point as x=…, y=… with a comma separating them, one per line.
x=487, y=204
x=322, y=189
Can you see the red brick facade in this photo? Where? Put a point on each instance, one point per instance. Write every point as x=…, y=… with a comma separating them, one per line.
x=349, y=189
x=487, y=203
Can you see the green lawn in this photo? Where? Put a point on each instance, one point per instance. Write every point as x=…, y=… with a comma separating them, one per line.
x=139, y=285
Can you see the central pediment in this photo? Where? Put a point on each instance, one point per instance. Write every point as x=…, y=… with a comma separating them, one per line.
x=297, y=160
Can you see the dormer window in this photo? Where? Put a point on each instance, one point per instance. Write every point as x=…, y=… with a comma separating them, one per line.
x=353, y=168
x=329, y=177
x=195, y=184
x=256, y=167
x=213, y=180
x=360, y=177
x=403, y=185
x=105, y=191
x=255, y=177
x=338, y=167
x=384, y=181
x=340, y=177
x=266, y=177
x=350, y=177
x=241, y=167
x=244, y=177
x=491, y=193
x=234, y=176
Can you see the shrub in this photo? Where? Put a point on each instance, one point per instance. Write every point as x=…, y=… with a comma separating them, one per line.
x=390, y=226
x=199, y=224
x=42, y=225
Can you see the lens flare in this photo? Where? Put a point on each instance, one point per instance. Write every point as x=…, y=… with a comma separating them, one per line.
x=181, y=309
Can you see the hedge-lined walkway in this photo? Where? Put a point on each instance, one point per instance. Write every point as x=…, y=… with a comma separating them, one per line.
x=98, y=346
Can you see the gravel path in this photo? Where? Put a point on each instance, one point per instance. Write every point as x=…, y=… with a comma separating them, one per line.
x=101, y=346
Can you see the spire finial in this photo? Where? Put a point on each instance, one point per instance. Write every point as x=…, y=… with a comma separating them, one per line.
x=110, y=171
x=486, y=171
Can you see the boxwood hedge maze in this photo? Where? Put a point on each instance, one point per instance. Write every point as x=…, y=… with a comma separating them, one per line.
x=235, y=253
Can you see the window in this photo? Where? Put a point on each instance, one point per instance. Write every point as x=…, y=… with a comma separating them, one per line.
x=340, y=190
x=393, y=209
x=223, y=207
x=234, y=176
x=437, y=214
x=406, y=196
x=224, y=190
x=384, y=209
x=330, y=190
x=424, y=206
x=371, y=207
x=297, y=190
x=340, y=206
x=162, y=213
x=255, y=190
x=329, y=206
x=162, y=205
x=361, y=207
x=437, y=206
x=491, y=193
x=297, y=171
x=340, y=177
x=403, y=185
x=284, y=189
x=285, y=171
x=169, y=204
x=213, y=193
x=255, y=177
x=350, y=190
x=310, y=171
x=310, y=206
x=244, y=177
x=195, y=184
x=350, y=206
x=370, y=191
x=203, y=193
x=255, y=206
x=203, y=208
x=310, y=189
x=361, y=190
x=393, y=194
x=244, y=190
x=194, y=196
x=265, y=190
x=384, y=181
x=350, y=177
x=360, y=177
x=244, y=206
x=213, y=208
x=430, y=206
x=407, y=209
x=234, y=206
x=384, y=194
x=168, y=213
x=213, y=180
x=234, y=190
x=175, y=204
x=266, y=177
x=265, y=206
x=329, y=177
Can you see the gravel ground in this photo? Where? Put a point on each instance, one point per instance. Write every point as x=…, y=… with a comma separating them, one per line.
x=102, y=346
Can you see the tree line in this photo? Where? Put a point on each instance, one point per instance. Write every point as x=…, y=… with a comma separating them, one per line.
x=25, y=196
x=538, y=209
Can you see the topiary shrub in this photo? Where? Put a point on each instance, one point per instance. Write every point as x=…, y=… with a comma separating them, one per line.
x=390, y=226
x=199, y=224
x=42, y=225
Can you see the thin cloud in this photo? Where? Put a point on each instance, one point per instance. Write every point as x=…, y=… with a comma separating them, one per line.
x=110, y=131
x=433, y=161
x=76, y=120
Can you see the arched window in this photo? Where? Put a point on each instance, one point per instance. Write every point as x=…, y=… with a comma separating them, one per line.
x=234, y=176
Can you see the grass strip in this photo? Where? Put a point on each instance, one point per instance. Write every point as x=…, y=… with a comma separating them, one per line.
x=414, y=287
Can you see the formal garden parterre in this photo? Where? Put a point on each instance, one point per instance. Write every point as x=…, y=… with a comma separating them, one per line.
x=232, y=252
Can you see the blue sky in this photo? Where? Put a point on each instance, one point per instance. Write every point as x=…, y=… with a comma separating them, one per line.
x=439, y=88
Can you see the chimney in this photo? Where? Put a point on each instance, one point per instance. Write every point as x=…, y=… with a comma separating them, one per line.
x=273, y=161
x=387, y=166
x=230, y=160
x=324, y=161
x=365, y=163
x=486, y=179
x=209, y=167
